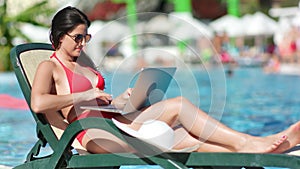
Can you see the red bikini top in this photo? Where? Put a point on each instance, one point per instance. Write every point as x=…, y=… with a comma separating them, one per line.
x=78, y=82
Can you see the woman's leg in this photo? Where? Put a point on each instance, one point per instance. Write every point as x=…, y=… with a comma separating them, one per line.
x=100, y=141
x=201, y=125
x=183, y=140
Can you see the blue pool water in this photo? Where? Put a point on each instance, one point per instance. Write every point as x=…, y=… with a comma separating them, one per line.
x=256, y=103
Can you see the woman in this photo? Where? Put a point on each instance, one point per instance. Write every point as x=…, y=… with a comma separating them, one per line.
x=53, y=90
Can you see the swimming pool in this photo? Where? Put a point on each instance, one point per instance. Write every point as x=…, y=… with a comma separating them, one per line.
x=256, y=103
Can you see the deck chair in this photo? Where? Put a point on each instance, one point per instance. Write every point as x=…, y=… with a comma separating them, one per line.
x=67, y=153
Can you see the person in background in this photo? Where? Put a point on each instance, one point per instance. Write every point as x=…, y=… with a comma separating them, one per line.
x=273, y=65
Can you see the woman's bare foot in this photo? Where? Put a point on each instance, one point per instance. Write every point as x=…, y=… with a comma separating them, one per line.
x=262, y=144
x=293, y=138
x=277, y=143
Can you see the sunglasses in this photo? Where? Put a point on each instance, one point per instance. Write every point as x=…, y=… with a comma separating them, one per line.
x=78, y=38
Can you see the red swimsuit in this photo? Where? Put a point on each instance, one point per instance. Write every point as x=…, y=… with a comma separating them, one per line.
x=79, y=83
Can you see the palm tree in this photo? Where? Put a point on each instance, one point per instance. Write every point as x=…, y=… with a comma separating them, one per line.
x=10, y=27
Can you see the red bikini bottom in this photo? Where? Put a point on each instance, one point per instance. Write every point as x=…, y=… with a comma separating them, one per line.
x=91, y=114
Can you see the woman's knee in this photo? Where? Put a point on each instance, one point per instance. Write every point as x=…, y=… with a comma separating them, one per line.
x=180, y=100
x=176, y=104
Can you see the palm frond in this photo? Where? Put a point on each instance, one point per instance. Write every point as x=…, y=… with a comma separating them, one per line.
x=33, y=13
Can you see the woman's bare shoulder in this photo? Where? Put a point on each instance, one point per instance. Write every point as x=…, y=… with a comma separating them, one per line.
x=47, y=64
x=46, y=67
x=44, y=73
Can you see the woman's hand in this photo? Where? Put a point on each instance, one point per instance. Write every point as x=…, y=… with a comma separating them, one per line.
x=122, y=99
x=103, y=98
x=100, y=96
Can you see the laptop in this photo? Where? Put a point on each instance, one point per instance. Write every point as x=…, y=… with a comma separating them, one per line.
x=149, y=88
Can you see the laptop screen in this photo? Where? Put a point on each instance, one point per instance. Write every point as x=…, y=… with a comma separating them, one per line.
x=150, y=87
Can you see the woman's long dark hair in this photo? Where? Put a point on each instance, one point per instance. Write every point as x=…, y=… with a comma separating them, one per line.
x=65, y=21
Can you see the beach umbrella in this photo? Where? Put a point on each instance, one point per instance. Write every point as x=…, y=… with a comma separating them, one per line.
x=246, y=18
x=187, y=27
x=159, y=24
x=112, y=31
x=259, y=24
x=95, y=27
x=232, y=25
x=296, y=19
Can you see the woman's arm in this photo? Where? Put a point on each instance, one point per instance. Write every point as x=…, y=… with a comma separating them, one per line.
x=41, y=97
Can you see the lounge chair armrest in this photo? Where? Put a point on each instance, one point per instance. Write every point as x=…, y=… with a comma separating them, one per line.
x=73, y=129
